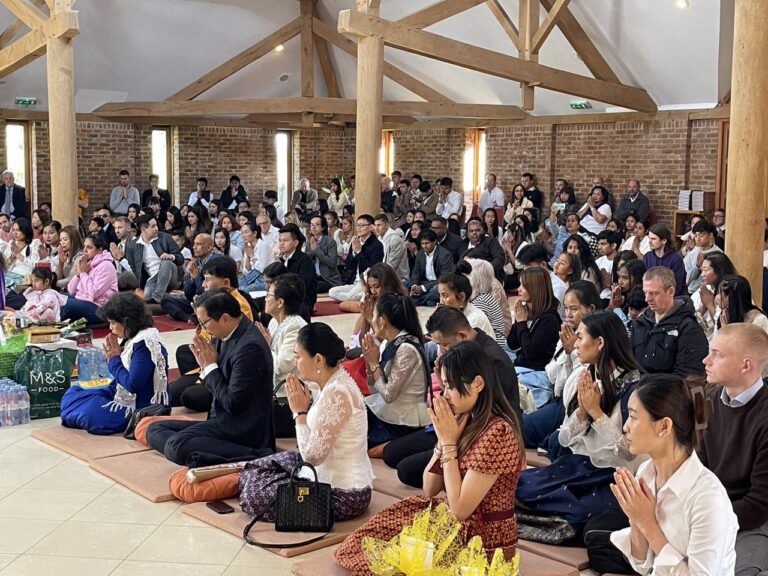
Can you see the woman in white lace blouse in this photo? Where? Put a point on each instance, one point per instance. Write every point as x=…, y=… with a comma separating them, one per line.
x=398, y=376
x=331, y=434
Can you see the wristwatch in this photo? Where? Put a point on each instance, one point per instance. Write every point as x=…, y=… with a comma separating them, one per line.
x=297, y=414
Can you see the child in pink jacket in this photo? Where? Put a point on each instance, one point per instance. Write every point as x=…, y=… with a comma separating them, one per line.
x=43, y=302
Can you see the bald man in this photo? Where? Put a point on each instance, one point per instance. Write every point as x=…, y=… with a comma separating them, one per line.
x=179, y=307
x=735, y=443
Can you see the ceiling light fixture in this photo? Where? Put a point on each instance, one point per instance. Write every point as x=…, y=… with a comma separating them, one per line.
x=280, y=47
x=682, y=4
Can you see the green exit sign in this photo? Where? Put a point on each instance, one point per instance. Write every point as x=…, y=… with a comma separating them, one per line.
x=25, y=101
x=580, y=105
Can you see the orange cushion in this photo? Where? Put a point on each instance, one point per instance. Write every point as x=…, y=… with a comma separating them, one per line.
x=141, y=428
x=214, y=489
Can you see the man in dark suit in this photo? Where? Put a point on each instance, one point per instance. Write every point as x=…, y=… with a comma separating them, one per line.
x=289, y=242
x=485, y=247
x=236, y=367
x=531, y=192
x=366, y=249
x=14, y=200
x=109, y=227
x=432, y=261
x=445, y=239
x=155, y=269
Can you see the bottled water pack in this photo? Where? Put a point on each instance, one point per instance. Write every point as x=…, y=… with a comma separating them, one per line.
x=14, y=403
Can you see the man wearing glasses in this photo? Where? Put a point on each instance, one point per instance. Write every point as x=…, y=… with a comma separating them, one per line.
x=447, y=239
x=366, y=249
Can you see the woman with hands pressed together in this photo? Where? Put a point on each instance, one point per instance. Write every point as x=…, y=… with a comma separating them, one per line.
x=398, y=376
x=94, y=283
x=540, y=427
x=575, y=487
x=283, y=302
x=331, y=429
x=138, y=362
x=477, y=460
x=681, y=520
x=534, y=334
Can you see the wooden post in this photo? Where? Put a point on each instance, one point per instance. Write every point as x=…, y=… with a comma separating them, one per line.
x=370, y=86
x=62, y=126
x=748, y=147
x=529, y=23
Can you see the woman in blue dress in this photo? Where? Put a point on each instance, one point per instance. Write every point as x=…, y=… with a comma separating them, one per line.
x=138, y=362
x=575, y=487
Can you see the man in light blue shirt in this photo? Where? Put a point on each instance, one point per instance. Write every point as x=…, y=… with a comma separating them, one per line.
x=123, y=195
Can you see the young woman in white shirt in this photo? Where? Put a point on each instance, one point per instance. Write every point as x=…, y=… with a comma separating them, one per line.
x=223, y=245
x=681, y=520
x=595, y=213
x=638, y=241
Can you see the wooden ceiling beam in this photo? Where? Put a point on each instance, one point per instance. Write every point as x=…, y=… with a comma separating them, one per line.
x=307, y=50
x=529, y=22
x=326, y=63
x=15, y=27
x=506, y=22
x=436, y=12
x=582, y=43
x=27, y=12
x=34, y=43
x=494, y=63
x=390, y=71
x=9, y=33
x=548, y=24
x=303, y=105
x=238, y=62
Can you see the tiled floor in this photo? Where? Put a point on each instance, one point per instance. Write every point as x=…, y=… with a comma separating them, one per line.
x=58, y=517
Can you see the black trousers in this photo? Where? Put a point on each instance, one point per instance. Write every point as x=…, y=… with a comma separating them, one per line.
x=603, y=555
x=187, y=391
x=177, y=308
x=410, y=455
x=196, y=444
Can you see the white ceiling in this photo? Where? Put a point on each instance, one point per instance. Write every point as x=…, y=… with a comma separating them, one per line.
x=149, y=49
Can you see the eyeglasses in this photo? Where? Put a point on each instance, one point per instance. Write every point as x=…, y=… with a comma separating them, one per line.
x=363, y=225
x=204, y=323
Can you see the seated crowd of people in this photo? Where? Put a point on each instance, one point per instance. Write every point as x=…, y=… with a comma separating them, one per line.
x=633, y=359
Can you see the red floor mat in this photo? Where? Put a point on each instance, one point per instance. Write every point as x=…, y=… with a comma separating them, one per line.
x=327, y=309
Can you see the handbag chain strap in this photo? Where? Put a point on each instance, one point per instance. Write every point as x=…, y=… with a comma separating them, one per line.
x=259, y=516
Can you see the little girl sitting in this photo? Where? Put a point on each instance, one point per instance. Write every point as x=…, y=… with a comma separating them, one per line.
x=43, y=302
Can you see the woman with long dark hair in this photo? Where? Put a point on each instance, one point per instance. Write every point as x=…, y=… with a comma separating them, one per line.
x=576, y=244
x=491, y=223
x=575, y=486
x=596, y=211
x=337, y=198
x=714, y=266
x=398, y=375
x=173, y=220
x=628, y=276
x=736, y=303
x=138, y=362
x=540, y=427
x=534, y=334
x=380, y=279
x=477, y=461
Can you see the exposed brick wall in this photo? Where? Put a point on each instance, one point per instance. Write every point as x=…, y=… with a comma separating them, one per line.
x=665, y=155
x=430, y=153
x=512, y=150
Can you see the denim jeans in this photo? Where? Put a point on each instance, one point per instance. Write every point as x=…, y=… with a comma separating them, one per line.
x=75, y=309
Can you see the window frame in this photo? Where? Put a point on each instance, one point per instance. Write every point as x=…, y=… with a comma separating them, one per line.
x=28, y=176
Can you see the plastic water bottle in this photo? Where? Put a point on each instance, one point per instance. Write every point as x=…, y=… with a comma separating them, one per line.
x=100, y=363
x=24, y=405
x=84, y=364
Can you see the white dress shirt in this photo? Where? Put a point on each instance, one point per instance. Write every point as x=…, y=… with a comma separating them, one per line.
x=430, y=267
x=452, y=205
x=151, y=259
x=490, y=199
x=696, y=516
x=264, y=250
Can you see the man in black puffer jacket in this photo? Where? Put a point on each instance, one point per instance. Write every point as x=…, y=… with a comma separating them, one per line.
x=666, y=337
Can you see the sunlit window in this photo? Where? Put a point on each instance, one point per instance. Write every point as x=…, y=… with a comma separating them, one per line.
x=16, y=152
x=161, y=154
x=283, y=155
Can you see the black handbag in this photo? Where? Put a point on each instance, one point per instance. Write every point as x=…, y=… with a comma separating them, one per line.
x=137, y=415
x=285, y=427
x=300, y=506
